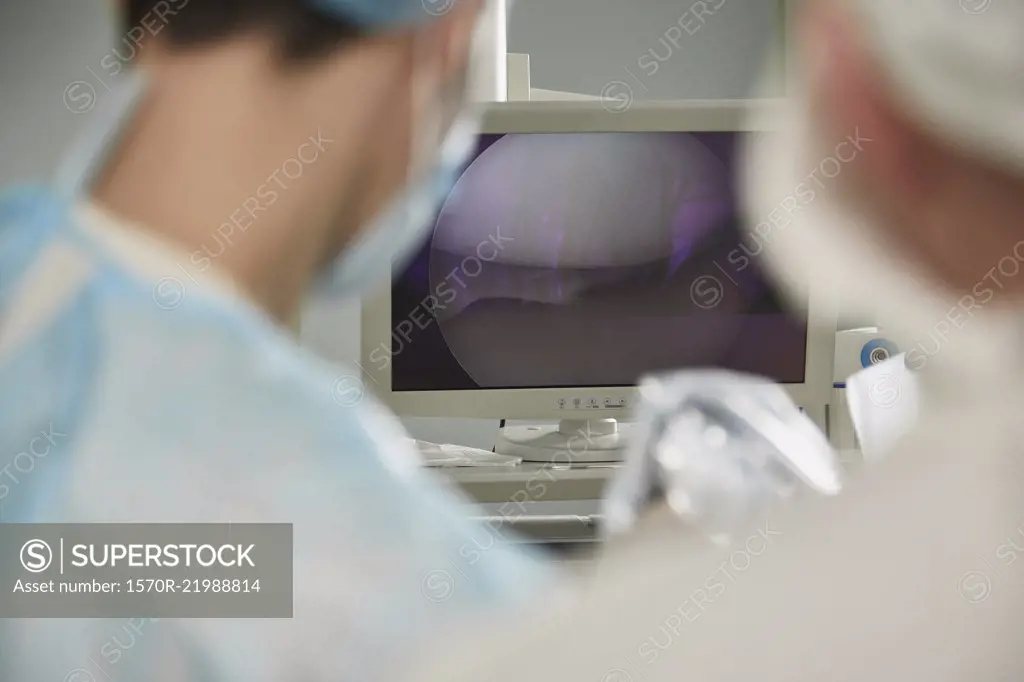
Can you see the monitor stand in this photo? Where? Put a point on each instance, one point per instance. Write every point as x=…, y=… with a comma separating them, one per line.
x=571, y=441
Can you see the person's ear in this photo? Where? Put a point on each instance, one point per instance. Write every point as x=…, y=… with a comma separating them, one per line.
x=851, y=96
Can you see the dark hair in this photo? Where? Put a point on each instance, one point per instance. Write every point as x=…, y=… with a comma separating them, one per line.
x=301, y=32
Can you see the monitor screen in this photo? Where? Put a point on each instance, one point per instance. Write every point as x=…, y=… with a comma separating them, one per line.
x=565, y=260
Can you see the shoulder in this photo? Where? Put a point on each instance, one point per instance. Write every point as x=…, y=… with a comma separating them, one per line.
x=28, y=218
x=219, y=403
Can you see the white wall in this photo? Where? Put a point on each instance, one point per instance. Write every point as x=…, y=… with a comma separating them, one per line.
x=45, y=47
x=583, y=45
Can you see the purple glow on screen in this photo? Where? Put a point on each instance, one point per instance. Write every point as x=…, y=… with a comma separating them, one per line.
x=589, y=259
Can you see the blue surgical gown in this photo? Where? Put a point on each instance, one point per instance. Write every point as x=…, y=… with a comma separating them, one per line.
x=130, y=392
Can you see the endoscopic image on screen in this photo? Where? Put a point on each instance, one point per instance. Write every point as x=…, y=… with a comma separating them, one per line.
x=590, y=259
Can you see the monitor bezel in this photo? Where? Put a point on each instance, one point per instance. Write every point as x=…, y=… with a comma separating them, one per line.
x=813, y=394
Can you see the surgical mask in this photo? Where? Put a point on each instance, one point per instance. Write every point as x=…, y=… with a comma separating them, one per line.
x=955, y=68
x=392, y=239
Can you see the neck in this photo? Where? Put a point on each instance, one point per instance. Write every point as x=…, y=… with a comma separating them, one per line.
x=230, y=177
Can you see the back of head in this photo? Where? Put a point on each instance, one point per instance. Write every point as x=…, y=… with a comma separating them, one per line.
x=902, y=158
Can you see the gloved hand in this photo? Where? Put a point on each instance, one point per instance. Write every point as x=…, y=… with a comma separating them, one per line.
x=718, y=447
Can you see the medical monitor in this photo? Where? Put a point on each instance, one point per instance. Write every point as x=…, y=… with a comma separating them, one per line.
x=581, y=249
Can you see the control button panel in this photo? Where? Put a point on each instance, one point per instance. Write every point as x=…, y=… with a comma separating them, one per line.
x=592, y=403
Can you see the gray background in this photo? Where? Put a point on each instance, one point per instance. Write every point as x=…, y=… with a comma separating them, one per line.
x=580, y=45
x=575, y=45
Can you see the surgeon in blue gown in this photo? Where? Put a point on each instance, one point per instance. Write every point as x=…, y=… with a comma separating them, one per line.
x=250, y=153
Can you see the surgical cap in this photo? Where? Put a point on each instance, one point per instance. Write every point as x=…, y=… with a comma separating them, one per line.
x=957, y=66
x=385, y=14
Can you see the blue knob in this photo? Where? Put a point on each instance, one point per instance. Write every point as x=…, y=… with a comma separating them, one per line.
x=872, y=347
